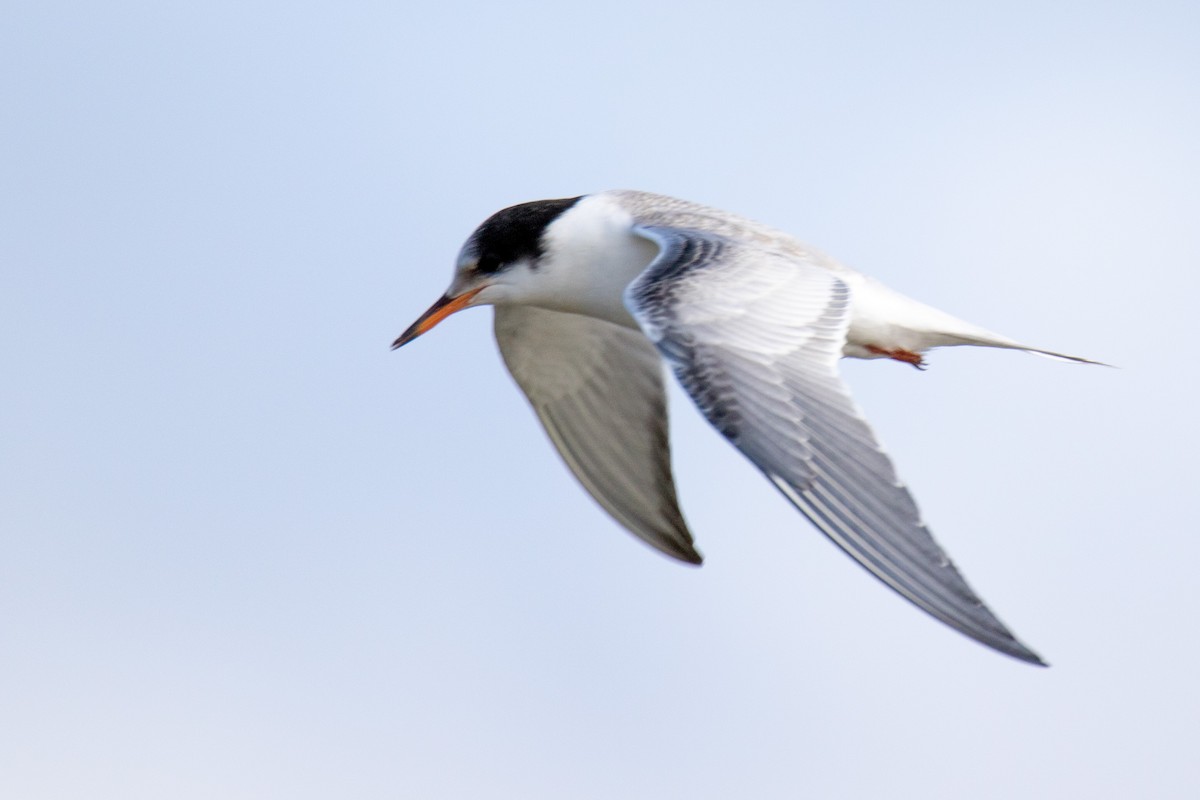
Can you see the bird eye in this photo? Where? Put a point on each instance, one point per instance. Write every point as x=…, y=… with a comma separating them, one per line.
x=487, y=264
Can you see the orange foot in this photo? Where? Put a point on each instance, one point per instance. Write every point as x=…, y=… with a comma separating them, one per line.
x=907, y=356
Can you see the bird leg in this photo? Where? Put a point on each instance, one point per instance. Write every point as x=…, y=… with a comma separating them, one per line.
x=899, y=354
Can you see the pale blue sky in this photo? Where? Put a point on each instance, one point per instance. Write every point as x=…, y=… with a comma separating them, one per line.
x=248, y=552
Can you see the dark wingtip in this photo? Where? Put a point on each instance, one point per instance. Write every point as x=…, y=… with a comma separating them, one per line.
x=688, y=555
x=1017, y=650
x=1034, y=659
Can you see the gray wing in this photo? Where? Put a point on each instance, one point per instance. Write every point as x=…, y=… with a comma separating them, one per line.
x=754, y=335
x=598, y=390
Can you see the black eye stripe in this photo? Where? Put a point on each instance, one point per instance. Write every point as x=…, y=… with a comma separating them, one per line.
x=515, y=233
x=488, y=264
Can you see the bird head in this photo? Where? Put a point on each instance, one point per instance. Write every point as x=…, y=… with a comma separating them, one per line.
x=497, y=264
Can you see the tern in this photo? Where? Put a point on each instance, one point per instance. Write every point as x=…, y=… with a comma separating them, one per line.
x=593, y=293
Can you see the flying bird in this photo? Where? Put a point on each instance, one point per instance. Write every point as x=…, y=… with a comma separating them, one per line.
x=593, y=293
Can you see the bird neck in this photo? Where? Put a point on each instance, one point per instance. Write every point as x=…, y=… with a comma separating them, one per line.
x=592, y=254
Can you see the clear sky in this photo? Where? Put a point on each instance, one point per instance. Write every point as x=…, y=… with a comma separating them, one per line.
x=248, y=552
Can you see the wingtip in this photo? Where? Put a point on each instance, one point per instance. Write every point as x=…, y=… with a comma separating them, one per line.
x=1017, y=650
x=1033, y=659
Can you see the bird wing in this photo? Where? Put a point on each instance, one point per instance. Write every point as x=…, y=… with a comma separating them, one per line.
x=598, y=390
x=754, y=335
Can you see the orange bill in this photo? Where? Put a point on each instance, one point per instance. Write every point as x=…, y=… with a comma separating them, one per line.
x=437, y=312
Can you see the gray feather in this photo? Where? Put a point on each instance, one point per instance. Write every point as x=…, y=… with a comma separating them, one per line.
x=598, y=390
x=754, y=335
